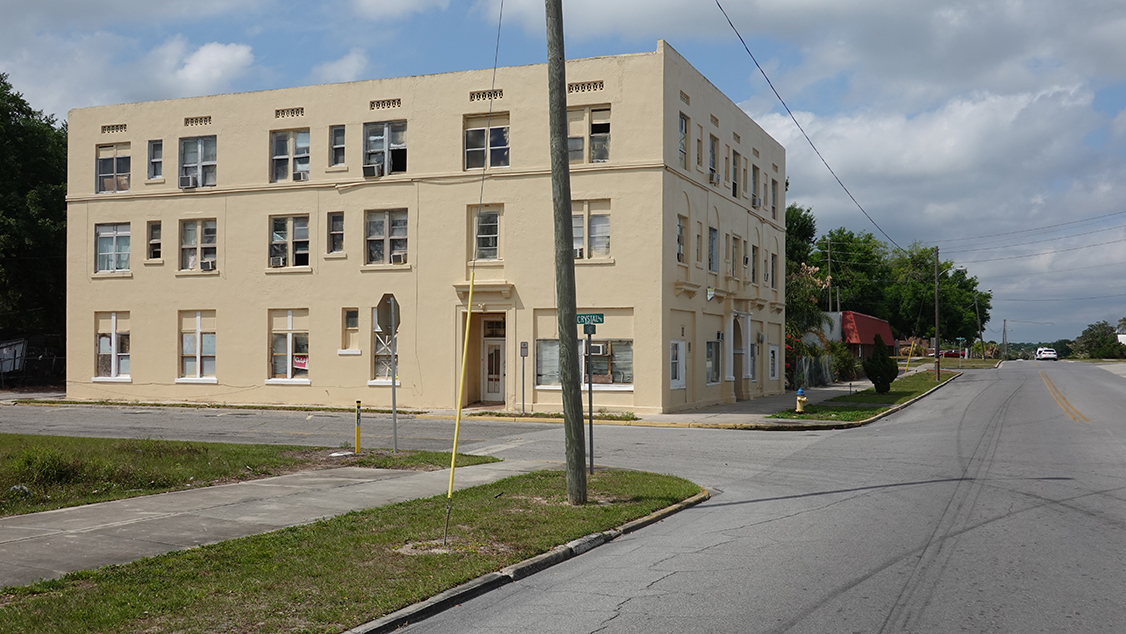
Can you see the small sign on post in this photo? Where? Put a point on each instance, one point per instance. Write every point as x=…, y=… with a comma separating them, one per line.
x=588, y=318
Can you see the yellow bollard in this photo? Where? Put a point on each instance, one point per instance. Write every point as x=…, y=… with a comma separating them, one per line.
x=357, y=428
x=801, y=401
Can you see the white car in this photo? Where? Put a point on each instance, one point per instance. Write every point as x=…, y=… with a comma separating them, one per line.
x=1046, y=354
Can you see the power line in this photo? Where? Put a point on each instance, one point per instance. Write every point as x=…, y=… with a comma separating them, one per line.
x=1009, y=233
x=1031, y=255
x=1002, y=246
x=802, y=130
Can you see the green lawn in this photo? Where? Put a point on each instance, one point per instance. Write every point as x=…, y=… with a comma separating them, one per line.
x=40, y=473
x=866, y=404
x=341, y=572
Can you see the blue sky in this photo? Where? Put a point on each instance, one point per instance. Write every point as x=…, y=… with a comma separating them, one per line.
x=949, y=120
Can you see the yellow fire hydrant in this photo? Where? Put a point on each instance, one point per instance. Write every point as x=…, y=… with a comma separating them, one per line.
x=801, y=400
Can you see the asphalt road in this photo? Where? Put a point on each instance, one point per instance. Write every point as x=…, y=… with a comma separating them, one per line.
x=994, y=505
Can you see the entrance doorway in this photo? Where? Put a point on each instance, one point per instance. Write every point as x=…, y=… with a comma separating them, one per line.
x=492, y=360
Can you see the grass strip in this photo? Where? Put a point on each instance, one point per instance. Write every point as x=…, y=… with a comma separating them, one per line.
x=866, y=403
x=341, y=572
x=599, y=415
x=41, y=473
x=250, y=406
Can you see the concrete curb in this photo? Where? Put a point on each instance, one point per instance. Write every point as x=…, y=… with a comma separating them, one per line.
x=493, y=580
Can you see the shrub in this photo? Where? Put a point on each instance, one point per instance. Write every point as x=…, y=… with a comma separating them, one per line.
x=845, y=364
x=880, y=367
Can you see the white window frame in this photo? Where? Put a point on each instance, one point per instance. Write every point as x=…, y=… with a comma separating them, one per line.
x=736, y=159
x=713, y=362
x=685, y=141
x=203, y=246
x=286, y=245
x=773, y=361
x=153, y=250
x=774, y=199
x=677, y=365
x=205, y=168
x=383, y=142
x=773, y=270
x=713, y=250
x=394, y=239
x=335, y=239
x=197, y=337
x=486, y=246
x=588, y=134
x=119, y=247
x=754, y=264
x=156, y=159
x=548, y=350
x=713, y=154
x=680, y=222
x=590, y=226
x=349, y=332
x=112, y=171
x=116, y=355
x=337, y=149
x=289, y=148
x=291, y=335
x=494, y=146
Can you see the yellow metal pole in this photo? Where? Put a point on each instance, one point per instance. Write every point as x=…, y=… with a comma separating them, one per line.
x=461, y=383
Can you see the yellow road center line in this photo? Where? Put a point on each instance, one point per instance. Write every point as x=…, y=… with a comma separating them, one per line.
x=1062, y=401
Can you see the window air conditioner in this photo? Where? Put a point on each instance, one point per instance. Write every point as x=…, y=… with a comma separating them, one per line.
x=372, y=171
x=207, y=265
x=398, y=258
x=746, y=261
x=277, y=262
x=598, y=349
x=713, y=178
x=579, y=253
x=188, y=182
x=755, y=200
x=301, y=176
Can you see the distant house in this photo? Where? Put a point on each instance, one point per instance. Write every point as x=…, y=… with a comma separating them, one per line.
x=859, y=332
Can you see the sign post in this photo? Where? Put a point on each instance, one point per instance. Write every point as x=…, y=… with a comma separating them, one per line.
x=523, y=377
x=588, y=321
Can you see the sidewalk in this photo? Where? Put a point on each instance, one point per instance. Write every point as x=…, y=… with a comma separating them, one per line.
x=52, y=543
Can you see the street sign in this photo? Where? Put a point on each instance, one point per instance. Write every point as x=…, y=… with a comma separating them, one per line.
x=523, y=348
x=588, y=329
x=588, y=318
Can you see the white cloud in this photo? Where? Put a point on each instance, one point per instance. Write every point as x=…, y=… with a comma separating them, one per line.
x=348, y=68
x=211, y=68
x=396, y=8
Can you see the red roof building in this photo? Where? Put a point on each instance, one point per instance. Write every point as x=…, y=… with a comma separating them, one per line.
x=859, y=332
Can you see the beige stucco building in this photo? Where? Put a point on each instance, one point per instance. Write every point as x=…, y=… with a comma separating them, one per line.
x=244, y=248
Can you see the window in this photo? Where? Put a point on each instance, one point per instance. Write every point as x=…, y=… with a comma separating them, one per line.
x=699, y=145
x=289, y=346
x=156, y=159
x=197, y=162
x=735, y=263
x=676, y=365
x=113, y=168
x=713, y=249
x=752, y=362
x=384, y=355
x=289, y=241
x=287, y=145
x=197, y=345
x=486, y=142
x=754, y=263
x=680, y=222
x=711, y=364
x=699, y=242
x=774, y=199
x=755, y=202
x=590, y=222
x=335, y=240
x=111, y=346
x=336, y=145
x=113, y=247
x=773, y=361
x=387, y=237
x=486, y=240
x=385, y=148
x=588, y=124
x=154, y=240
x=684, y=123
x=611, y=362
x=773, y=270
x=350, y=329
x=713, y=153
x=198, y=244
x=735, y=159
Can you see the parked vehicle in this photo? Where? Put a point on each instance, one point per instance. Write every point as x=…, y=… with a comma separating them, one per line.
x=1046, y=354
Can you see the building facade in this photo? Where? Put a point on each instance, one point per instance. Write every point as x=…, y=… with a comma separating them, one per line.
x=294, y=246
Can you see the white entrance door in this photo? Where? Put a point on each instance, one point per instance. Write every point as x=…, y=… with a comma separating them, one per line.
x=492, y=379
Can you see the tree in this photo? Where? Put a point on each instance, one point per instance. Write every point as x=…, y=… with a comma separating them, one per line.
x=880, y=367
x=910, y=294
x=1100, y=341
x=858, y=267
x=801, y=229
x=32, y=216
x=1122, y=326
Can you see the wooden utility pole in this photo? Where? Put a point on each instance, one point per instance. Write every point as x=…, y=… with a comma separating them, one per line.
x=937, y=353
x=564, y=257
